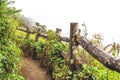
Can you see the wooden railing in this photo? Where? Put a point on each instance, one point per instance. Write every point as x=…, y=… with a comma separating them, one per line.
x=76, y=39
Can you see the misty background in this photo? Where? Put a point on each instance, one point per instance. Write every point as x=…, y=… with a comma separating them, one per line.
x=100, y=16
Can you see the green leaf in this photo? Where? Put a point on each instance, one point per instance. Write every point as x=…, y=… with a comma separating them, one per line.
x=70, y=72
x=93, y=78
x=75, y=75
x=1, y=65
x=75, y=78
x=1, y=57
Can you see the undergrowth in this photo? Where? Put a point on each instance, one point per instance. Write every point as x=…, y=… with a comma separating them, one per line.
x=9, y=61
x=50, y=50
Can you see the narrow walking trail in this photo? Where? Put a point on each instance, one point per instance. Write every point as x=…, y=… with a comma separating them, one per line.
x=32, y=71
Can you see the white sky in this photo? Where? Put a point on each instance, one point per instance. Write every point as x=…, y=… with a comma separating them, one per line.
x=100, y=16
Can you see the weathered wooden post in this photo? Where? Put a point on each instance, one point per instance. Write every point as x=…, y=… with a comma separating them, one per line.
x=28, y=33
x=73, y=33
x=58, y=31
x=37, y=34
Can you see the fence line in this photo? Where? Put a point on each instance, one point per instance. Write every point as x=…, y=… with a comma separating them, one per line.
x=75, y=39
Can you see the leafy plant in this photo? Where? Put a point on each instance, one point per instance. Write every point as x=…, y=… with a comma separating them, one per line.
x=9, y=60
x=9, y=52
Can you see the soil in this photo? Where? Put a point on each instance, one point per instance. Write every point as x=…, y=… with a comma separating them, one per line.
x=32, y=70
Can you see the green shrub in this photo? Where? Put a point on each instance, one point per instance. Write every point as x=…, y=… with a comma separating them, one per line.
x=9, y=52
x=9, y=60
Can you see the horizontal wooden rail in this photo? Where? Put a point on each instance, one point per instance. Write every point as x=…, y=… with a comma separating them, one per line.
x=106, y=59
x=43, y=35
x=25, y=30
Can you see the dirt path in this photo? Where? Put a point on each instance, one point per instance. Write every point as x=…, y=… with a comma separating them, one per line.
x=32, y=70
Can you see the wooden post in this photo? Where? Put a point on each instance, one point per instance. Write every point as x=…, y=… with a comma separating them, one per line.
x=37, y=35
x=28, y=33
x=79, y=31
x=73, y=33
x=58, y=31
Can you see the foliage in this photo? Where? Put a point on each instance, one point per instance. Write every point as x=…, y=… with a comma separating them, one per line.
x=9, y=52
x=58, y=62
x=50, y=50
x=94, y=68
x=50, y=53
x=9, y=60
x=52, y=58
x=41, y=27
x=8, y=19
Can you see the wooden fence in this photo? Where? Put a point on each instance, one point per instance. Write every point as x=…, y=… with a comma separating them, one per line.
x=76, y=39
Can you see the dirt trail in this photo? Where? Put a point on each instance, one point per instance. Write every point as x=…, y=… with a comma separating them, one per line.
x=32, y=70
